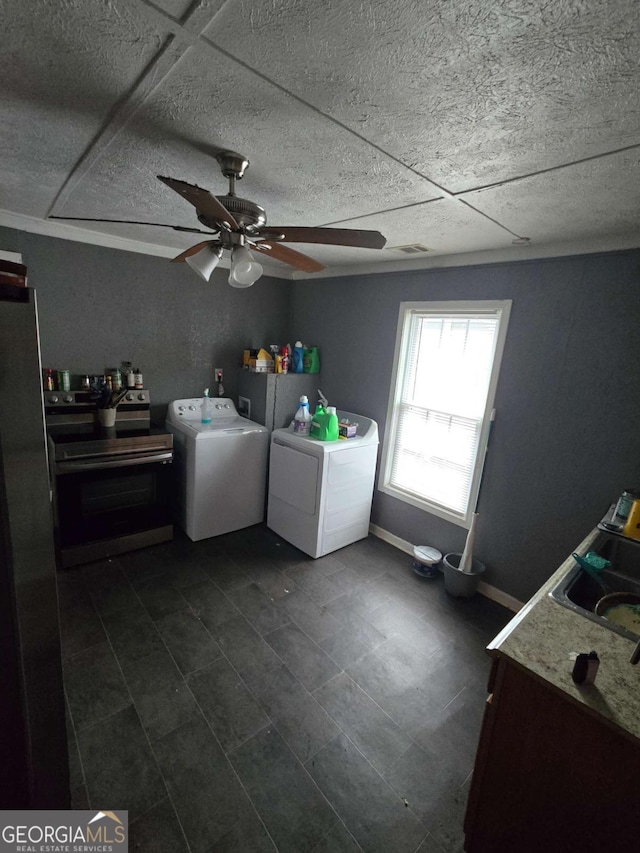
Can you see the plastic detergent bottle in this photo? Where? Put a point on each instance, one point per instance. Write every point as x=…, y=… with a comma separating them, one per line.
x=298, y=358
x=207, y=408
x=302, y=417
x=324, y=425
x=317, y=422
x=332, y=424
x=311, y=360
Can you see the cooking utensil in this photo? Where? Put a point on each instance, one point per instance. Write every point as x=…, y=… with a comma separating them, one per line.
x=116, y=396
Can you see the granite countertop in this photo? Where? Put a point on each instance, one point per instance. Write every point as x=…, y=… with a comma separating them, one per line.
x=544, y=638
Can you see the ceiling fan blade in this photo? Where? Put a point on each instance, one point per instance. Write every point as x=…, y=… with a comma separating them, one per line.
x=331, y=236
x=191, y=251
x=288, y=256
x=203, y=201
x=133, y=222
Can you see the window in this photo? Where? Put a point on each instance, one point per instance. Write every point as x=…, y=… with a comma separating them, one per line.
x=445, y=375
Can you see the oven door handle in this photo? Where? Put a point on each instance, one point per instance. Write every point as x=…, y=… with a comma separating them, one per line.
x=94, y=464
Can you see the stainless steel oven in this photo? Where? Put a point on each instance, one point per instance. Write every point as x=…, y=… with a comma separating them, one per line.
x=111, y=485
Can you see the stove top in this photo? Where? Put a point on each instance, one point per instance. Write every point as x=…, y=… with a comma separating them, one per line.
x=74, y=431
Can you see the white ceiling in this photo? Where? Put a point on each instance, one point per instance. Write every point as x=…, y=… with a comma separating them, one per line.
x=460, y=126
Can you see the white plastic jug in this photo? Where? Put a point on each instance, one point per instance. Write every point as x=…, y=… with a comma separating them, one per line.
x=302, y=417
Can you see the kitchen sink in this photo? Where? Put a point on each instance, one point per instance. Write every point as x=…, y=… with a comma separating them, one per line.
x=580, y=592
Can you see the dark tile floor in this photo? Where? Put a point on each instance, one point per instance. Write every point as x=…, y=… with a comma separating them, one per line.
x=236, y=695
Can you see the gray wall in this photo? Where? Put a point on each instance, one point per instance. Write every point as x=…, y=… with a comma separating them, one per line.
x=567, y=435
x=99, y=306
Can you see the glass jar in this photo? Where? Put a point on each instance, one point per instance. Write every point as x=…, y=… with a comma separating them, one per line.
x=625, y=501
x=116, y=379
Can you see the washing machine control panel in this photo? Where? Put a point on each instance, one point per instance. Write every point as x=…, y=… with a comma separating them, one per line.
x=190, y=410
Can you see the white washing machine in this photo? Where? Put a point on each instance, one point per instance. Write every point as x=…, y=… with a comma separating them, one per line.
x=320, y=492
x=221, y=467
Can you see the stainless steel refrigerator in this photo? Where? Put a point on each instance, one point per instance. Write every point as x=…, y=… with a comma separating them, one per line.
x=34, y=770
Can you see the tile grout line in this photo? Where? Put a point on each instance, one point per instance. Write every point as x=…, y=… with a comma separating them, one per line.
x=459, y=693
x=326, y=835
x=69, y=714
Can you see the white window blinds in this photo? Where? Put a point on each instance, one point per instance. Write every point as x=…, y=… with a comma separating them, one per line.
x=443, y=383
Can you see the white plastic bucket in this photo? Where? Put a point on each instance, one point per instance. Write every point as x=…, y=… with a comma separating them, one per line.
x=425, y=561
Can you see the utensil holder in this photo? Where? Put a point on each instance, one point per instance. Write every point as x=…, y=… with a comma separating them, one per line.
x=107, y=417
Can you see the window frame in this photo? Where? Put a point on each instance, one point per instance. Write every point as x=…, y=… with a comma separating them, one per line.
x=501, y=309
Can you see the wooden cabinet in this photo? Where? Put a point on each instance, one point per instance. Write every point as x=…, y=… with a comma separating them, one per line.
x=550, y=775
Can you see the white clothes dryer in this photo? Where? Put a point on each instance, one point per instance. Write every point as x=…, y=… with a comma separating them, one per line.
x=320, y=492
x=221, y=467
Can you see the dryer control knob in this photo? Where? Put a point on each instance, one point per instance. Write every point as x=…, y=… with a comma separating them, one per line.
x=218, y=405
x=53, y=399
x=227, y=406
x=192, y=408
x=182, y=408
x=129, y=397
x=141, y=396
x=67, y=398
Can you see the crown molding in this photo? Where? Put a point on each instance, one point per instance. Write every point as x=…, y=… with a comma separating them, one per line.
x=64, y=231
x=509, y=254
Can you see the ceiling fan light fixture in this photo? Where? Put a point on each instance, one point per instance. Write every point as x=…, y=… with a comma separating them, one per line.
x=244, y=269
x=204, y=262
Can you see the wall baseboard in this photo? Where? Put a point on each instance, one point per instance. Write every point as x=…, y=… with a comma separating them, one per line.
x=485, y=589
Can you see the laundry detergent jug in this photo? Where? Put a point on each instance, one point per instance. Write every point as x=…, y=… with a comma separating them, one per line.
x=324, y=425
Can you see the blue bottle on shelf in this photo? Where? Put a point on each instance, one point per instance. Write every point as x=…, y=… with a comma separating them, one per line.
x=298, y=358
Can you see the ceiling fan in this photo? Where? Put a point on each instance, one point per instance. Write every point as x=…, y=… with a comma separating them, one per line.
x=240, y=226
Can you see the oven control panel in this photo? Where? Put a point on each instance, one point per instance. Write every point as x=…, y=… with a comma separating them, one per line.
x=63, y=408
x=84, y=400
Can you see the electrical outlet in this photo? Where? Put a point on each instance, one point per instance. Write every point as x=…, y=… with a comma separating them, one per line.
x=244, y=407
x=218, y=373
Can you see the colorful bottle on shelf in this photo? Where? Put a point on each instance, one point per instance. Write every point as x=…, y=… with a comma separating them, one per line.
x=311, y=360
x=298, y=358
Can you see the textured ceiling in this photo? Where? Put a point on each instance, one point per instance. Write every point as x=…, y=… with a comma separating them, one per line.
x=455, y=125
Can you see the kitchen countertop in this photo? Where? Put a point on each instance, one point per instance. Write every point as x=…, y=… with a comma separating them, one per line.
x=543, y=638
